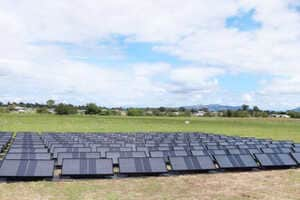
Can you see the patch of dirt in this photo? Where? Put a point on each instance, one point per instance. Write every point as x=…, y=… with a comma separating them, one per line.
x=262, y=185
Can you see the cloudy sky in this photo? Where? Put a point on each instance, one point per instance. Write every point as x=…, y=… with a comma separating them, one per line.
x=151, y=52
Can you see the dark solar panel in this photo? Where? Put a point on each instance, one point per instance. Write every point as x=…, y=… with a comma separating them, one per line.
x=191, y=163
x=103, y=150
x=142, y=166
x=124, y=154
x=70, y=149
x=213, y=147
x=238, y=151
x=81, y=155
x=276, y=150
x=28, y=146
x=235, y=161
x=275, y=160
x=197, y=148
x=27, y=168
x=296, y=149
x=185, y=149
x=296, y=157
x=161, y=154
x=87, y=167
x=52, y=147
x=28, y=150
x=199, y=152
x=218, y=152
x=253, y=151
x=28, y=156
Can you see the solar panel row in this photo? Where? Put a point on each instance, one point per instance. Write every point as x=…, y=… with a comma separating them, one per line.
x=27, y=158
x=92, y=154
x=27, y=168
x=87, y=167
x=5, y=137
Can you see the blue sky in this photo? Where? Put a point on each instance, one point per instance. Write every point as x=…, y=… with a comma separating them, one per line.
x=243, y=21
x=171, y=54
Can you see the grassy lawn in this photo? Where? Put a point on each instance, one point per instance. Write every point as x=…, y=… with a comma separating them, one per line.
x=278, y=184
x=286, y=129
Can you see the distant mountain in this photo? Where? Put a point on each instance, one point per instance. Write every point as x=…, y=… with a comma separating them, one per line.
x=296, y=109
x=214, y=107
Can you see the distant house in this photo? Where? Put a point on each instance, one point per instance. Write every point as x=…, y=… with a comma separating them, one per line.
x=81, y=111
x=149, y=112
x=51, y=110
x=200, y=113
x=20, y=109
x=123, y=113
x=176, y=113
x=280, y=116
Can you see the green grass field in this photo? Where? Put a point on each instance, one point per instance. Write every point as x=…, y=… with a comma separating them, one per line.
x=266, y=185
x=279, y=129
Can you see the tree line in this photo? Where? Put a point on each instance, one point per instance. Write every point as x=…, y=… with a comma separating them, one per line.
x=93, y=109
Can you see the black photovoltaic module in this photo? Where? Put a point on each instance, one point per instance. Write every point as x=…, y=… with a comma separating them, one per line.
x=33, y=155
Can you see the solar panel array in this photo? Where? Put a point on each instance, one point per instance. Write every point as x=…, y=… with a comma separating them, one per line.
x=5, y=137
x=32, y=155
x=27, y=157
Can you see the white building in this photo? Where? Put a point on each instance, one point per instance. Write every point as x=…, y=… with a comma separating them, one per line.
x=200, y=113
x=280, y=116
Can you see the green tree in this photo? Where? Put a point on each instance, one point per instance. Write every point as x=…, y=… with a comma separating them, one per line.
x=50, y=103
x=135, y=112
x=156, y=112
x=182, y=109
x=42, y=110
x=105, y=111
x=3, y=110
x=65, y=109
x=187, y=113
x=245, y=107
x=256, y=109
x=162, y=109
x=294, y=114
x=92, y=109
x=241, y=113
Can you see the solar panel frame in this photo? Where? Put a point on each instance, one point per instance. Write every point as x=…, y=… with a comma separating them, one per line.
x=268, y=160
x=142, y=166
x=199, y=153
x=276, y=150
x=238, y=151
x=217, y=152
x=28, y=156
x=236, y=161
x=28, y=150
x=70, y=149
x=296, y=149
x=296, y=157
x=193, y=144
x=91, y=167
x=114, y=155
x=76, y=155
x=27, y=169
x=191, y=164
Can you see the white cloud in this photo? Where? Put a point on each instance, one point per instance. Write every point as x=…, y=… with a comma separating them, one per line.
x=194, y=31
x=80, y=82
x=283, y=86
x=247, y=98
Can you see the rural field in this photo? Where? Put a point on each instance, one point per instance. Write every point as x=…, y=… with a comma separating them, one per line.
x=278, y=129
x=277, y=184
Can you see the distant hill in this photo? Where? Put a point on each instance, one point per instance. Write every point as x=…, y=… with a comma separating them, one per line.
x=214, y=107
x=296, y=109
